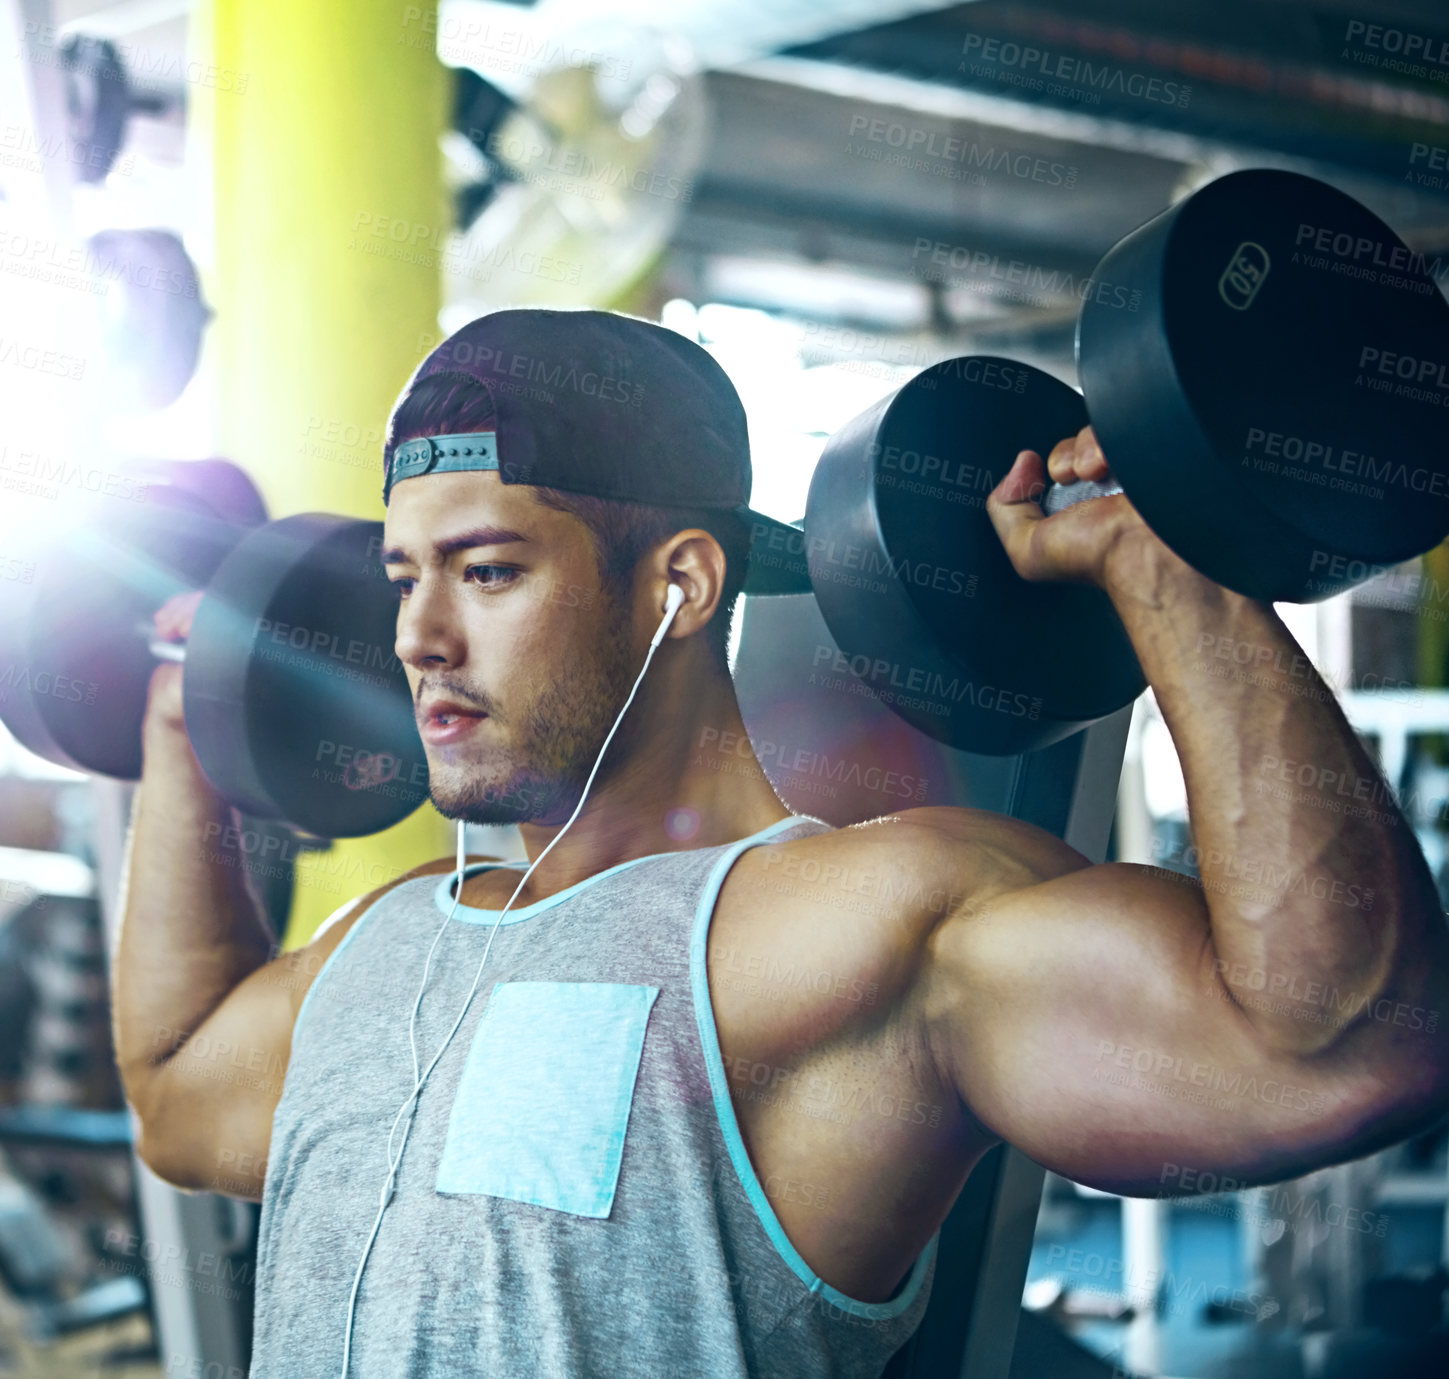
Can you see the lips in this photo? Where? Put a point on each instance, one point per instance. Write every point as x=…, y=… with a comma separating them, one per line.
x=446, y=720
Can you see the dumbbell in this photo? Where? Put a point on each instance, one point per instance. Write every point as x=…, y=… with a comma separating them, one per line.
x=296, y=706
x=1267, y=369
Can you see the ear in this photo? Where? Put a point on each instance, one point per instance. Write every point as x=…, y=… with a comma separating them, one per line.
x=693, y=562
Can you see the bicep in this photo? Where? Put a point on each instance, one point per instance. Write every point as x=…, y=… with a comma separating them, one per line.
x=1084, y=1021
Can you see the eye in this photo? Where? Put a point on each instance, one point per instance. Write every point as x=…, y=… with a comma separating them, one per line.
x=508, y=571
x=401, y=586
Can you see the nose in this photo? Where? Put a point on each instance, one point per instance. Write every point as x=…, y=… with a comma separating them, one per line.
x=427, y=633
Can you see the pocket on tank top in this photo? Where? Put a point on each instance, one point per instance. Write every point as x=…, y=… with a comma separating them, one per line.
x=543, y=1103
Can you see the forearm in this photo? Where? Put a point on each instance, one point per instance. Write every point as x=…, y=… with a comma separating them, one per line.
x=191, y=926
x=1316, y=886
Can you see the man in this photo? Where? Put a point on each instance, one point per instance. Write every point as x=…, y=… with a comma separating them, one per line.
x=629, y=1160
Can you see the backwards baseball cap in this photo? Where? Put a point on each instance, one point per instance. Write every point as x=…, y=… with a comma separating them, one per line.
x=608, y=405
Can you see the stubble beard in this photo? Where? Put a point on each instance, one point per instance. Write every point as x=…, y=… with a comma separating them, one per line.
x=538, y=775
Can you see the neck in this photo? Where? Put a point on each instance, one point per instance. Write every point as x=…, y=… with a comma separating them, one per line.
x=683, y=776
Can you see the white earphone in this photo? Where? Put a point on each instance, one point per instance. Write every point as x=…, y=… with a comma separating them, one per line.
x=672, y=603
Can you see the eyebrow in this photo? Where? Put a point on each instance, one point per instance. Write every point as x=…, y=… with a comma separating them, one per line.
x=463, y=541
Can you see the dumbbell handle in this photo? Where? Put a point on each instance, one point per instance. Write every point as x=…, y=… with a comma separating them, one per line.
x=1060, y=496
x=160, y=648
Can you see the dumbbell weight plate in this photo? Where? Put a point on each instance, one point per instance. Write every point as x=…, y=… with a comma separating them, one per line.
x=154, y=316
x=76, y=671
x=914, y=583
x=1242, y=403
x=225, y=487
x=296, y=703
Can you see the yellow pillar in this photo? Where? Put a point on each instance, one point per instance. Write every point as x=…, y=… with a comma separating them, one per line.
x=319, y=133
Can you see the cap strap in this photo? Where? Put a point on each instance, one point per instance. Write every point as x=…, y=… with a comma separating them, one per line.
x=436, y=454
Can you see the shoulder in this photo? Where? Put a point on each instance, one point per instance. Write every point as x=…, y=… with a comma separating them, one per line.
x=929, y=861
x=932, y=840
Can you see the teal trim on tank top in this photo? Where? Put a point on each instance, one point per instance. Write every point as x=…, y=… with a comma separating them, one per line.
x=471, y=914
x=443, y=899
x=714, y=1062
x=729, y=1126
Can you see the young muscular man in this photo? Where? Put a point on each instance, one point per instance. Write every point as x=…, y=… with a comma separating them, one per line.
x=629, y=1160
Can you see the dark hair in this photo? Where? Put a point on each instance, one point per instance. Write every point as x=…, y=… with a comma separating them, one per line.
x=620, y=532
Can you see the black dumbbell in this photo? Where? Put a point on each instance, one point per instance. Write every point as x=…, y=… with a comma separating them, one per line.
x=1276, y=410
x=73, y=674
x=916, y=587
x=296, y=705
x=1267, y=366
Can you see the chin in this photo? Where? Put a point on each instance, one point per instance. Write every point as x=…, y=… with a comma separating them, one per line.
x=512, y=802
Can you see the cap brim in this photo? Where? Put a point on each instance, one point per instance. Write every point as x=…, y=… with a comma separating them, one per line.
x=778, y=564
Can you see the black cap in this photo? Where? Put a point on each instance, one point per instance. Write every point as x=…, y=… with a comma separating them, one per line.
x=613, y=406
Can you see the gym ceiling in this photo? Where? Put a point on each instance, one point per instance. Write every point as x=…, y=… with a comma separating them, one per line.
x=1270, y=87
x=788, y=214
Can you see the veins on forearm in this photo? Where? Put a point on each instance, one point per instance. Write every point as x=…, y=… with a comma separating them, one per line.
x=1334, y=894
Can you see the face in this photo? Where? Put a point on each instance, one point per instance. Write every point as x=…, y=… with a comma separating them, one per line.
x=517, y=662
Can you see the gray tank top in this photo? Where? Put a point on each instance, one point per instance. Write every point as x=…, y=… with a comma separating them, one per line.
x=575, y=1198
